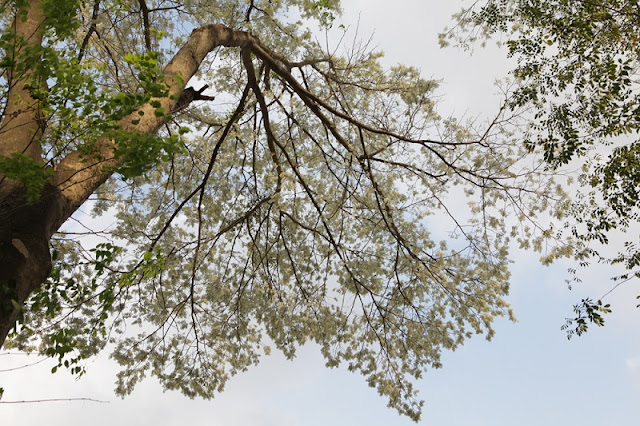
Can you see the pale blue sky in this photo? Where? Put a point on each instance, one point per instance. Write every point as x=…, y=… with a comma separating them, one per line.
x=529, y=375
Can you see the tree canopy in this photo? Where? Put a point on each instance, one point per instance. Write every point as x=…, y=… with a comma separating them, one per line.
x=260, y=188
x=577, y=70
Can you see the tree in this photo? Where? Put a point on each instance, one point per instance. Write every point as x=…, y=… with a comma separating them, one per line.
x=290, y=205
x=577, y=68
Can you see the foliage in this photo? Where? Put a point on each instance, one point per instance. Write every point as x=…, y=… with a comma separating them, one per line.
x=312, y=201
x=577, y=68
x=79, y=106
x=587, y=311
x=27, y=171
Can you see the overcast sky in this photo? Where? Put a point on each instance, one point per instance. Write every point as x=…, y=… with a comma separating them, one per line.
x=529, y=375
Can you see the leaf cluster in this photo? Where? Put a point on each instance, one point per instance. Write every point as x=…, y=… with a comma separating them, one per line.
x=587, y=311
x=577, y=70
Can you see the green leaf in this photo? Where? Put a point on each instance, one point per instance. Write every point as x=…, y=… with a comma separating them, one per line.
x=29, y=172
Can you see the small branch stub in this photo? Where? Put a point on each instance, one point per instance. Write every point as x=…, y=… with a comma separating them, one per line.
x=19, y=245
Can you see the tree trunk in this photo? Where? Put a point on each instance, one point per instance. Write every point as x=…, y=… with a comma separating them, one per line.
x=22, y=122
x=25, y=261
x=24, y=253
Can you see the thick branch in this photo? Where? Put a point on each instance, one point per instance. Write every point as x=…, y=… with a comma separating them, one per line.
x=77, y=177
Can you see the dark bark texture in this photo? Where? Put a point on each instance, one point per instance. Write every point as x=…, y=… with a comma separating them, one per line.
x=25, y=261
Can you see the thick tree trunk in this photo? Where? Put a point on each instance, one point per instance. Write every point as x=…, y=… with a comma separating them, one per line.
x=25, y=229
x=25, y=261
x=22, y=123
x=24, y=251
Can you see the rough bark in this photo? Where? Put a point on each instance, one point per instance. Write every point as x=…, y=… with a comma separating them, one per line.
x=24, y=252
x=25, y=229
x=25, y=261
x=22, y=122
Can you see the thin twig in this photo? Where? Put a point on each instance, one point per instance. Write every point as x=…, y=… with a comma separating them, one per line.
x=6, y=370
x=54, y=400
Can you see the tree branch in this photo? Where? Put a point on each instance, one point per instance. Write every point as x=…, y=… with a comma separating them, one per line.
x=145, y=21
x=77, y=177
x=54, y=400
x=92, y=29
